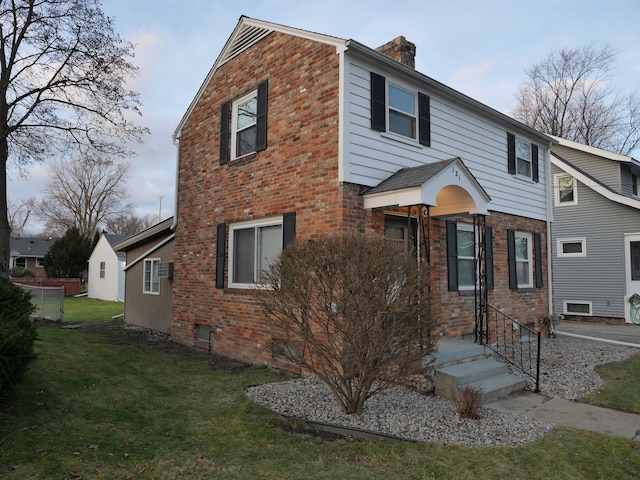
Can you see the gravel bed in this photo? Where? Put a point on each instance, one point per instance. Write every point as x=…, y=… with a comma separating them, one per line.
x=567, y=373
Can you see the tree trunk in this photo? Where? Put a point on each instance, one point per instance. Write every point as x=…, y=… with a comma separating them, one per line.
x=5, y=230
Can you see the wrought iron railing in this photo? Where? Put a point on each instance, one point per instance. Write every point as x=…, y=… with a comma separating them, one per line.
x=512, y=341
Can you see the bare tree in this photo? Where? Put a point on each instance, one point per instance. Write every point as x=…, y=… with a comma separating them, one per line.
x=84, y=193
x=128, y=223
x=63, y=73
x=352, y=310
x=19, y=211
x=569, y=95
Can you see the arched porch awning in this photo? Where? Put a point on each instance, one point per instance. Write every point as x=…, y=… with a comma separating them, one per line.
x=448, y=187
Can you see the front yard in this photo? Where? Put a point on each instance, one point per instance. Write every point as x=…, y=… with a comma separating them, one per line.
x=104, y=402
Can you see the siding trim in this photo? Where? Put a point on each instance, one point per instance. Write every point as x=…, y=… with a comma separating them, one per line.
x=150, y=251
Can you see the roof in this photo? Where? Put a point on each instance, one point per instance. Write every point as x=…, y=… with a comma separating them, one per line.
x=157, y=230
x=249, y=31
x=30, y=246
x=595, y=150
x=112, y=238
x=431, y=184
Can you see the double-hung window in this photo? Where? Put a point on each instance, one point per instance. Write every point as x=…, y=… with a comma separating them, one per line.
x=565, y=188
x=151, y=280
x=244, y=125
x=103, y=267
x=400, y=111
x=522, y=158
x=466, y=256
x=524, y=267
x=254, y=246
x=525, y=259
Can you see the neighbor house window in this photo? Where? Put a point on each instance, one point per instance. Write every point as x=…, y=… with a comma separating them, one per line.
x=243, y=124
x=634, y=185
x=151, y=280
x=253, y=248
x=577, y=308
x=400, y=111
x=40, y=262
x=20, y=262
x=522, y=158
x=102, y=269
x=566, y=192
x=572, y=247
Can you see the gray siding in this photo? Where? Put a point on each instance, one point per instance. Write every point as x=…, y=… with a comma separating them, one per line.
x=605, y=170
x=599, y=277
x=143, y=310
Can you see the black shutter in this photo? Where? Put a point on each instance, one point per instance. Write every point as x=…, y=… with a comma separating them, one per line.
x=511, y=153
x=220, y=242
x=488, y=245
x=535, y=169
x=288, y=229
x=452, y=255
x=224, y=133
x=424, y=114
x=261, y=119
x=511, y=258
x=538, y=259
x=378, y=103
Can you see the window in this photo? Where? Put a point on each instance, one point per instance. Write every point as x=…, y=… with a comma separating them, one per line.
x=243, y=124
x=397, y=230
x=634, y=185
x=466, y=256
x=462, y=256
x=253, y=248
x=20, y=262
x=522, y=158
x=565, y=189
x=40, y=262
x=577, y=308
x=524, y=254
x=203, y=333
x=102, y=269
x=400, y=111
x=151, y=280
x=634, y=256
x=572, y=247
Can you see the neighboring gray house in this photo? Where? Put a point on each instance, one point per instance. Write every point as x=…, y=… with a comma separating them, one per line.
x=595, y=233
x=106, y=269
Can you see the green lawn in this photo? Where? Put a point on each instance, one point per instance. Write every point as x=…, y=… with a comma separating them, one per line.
x=90, y=408
x=85, y=309
x=621, y=389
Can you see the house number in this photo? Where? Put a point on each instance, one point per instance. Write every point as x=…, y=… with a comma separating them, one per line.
x=456, y=172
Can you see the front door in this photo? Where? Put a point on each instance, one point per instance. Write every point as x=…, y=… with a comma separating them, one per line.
x=632, y=277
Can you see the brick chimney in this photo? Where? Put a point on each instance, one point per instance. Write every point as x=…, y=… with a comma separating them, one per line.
x=401, y=50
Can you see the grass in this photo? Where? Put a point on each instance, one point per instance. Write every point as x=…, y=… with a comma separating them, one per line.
x=621, y=390
x=87, y=310
x=91, y=408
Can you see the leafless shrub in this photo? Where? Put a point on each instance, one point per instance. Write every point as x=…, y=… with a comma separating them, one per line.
x=352, y=310
x=468, y=401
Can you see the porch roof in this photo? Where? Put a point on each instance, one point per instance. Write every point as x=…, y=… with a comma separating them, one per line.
x=447, y=186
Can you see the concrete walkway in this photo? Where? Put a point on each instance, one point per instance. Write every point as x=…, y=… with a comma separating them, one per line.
x=573, y=414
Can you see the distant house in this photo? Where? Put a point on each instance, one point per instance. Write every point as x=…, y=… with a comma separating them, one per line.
x=106, y=269
x=149, y=276
x=29, y=252
x=595, y=233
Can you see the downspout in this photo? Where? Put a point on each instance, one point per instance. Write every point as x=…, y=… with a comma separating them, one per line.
x=549, y=212
x=176, y=142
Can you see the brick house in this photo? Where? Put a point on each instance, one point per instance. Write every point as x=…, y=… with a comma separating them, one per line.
x=295, y=134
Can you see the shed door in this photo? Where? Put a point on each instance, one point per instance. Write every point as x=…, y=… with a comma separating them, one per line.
x=632, y=276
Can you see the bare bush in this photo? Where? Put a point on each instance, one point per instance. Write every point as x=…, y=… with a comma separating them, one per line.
x=468, y=401
x=352, y=310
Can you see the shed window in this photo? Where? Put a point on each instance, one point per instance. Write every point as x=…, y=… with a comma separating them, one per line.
x=151, y=280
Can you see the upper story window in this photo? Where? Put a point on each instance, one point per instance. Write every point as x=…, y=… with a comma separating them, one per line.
x=400, y=111
x=150, y=277
x=243, y=124
x=522, y=158
x=565, y=190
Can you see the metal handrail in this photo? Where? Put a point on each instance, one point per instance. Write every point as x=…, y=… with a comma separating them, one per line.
x=513, y=342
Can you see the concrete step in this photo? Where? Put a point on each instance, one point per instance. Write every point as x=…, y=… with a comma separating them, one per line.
x=449, y=379
x=499, y=386
x=452, y=351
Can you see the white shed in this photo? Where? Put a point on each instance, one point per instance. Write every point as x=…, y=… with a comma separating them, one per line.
x=106, y=269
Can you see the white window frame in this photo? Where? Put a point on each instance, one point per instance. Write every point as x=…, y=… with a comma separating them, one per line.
x=562, y=241
x=399, y=111
x=151, y=266
x=234, y=123
x=556, y=190
x=518, y=236
x=103, y=269
x=466, y=227
x=579, y=302
x=521, y=160
x=256, y=225
x=21, y=260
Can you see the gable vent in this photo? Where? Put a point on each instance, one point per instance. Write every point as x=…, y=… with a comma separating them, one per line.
x=246, y=37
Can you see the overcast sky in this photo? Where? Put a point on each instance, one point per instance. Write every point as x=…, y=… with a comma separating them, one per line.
x=480, y=48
